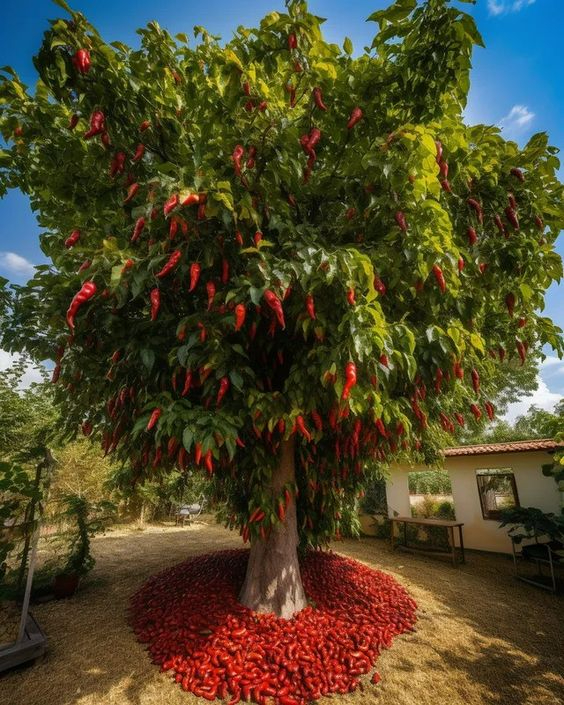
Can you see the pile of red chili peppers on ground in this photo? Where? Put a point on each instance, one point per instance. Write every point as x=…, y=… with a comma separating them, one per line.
x=215, y=647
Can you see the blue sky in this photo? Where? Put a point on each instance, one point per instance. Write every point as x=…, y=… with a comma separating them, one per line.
x=516, y=82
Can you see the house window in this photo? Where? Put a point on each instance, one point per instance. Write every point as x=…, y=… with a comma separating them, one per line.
x=497, y=490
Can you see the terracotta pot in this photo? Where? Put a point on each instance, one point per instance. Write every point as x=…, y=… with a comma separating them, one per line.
x=65, y=585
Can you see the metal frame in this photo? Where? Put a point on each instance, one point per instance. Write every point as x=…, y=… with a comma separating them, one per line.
x=539, y=561
x=495, y=515
x=194, y=511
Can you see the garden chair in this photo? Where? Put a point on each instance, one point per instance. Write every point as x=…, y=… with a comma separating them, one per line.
x=548, y=553
x=187, y=512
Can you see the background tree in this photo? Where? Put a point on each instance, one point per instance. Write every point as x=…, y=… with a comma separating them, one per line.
x=292, y=262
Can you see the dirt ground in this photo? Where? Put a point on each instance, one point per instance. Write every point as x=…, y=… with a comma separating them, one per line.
x=482, y=638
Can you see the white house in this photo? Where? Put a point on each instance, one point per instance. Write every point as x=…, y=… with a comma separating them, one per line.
x=485, y=478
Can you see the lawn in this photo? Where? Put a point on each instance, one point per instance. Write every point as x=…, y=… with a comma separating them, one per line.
x=482, y=637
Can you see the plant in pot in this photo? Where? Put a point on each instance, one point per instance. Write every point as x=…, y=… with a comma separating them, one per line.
x=85, y=519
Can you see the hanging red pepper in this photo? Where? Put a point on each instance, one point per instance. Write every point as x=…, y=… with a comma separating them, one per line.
x=384, y=359
x=512, y=217
x=97, y=124
x=56, y=374
x=236, y=157
x=351, y=296
x=73, y=122
x=461, y=264
x=131, y=191
x=240, y=313
x=355, y=117
x=292, y=41
x=210, y=288
x=195, y=271
x=173, y=261
x=252, y=157
x=518, y=174
x=379, y=285
x=310, y=306
x=490, y=411
x=187, y=383
x=539, y=222
x=138, y=229
x=171, y=204
x=224, y=271
x=438, y=272
x=145, y=125
x=522, y=351
x=274, y=303
x=350, y=379
x=460, y=419
x=475, y=380
x=72, y=239
x=474, y=408
x=292, y=91
x=85, y=265
x=401, y=221
x=197, y=452
x=153, y=419
x=472, y=237
x=257, y=238
x=318, y=99
x=81, y=61
x=300, y=425
x=117, y=165
x=224, y=385
x=155, y=297
x=473, y=203
x=317, y=420
x=139, y=152
x=510, y=302
x=86, y=292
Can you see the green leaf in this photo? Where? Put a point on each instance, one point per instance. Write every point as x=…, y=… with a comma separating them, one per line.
x=147, y=358
x=348, y=46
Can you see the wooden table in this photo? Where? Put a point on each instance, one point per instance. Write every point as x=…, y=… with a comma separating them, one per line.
x=449, y=526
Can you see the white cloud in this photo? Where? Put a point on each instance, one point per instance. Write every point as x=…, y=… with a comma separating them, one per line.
x=541, y=397
x=553, y=365
x=516, y=119
x=15, y=264
x=32, y=373
x=502, y=7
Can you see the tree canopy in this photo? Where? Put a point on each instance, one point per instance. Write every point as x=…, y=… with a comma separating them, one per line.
x=273, y=238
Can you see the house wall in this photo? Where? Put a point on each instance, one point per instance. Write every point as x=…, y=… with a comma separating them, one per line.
x=533, y=489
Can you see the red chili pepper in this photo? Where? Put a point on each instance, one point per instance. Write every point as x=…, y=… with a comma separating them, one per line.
x=379, y=285
x=274, y=303
x=187, y=383
x=155, y=297
x=314, y=138
x=292, y=41
x=240, y=313
x=139, y=152
x=438, y=272
x=300, y=425
x=518, y=174
x=522, y=351
x=350, y=379
x=138, y=229
x=512, y=217
x=251, y=158
x=224, y=385
x=131, y=191
x=173, y=261
x=472, y=237
x=460, y=419
x=539, y=222
x=72, y=239
x=281, y=511
x=384, y=359
x=81, y=61
x=439, y=148
x=473, y=203
x=97, y=124
x=292, y=91
x=490, y=411
x=86, y=292
x=85, y=265
x=171, y=204
x=56, y=374
x=73, y=122
x=197, y=453
x=355, y=117
x=475, y=380
x=210, y=288
x=310, y=306
x=351, y=296
x=236, y=157
x=381, y=428
x=117, y=165
x=317, y=421
x=443, y=169
x=257, y=238
x=145, y=125
x=86, y=428
x=510, y=302
x=400, y=220
x=224, y=271
x=208, y=462
x=476, y=411
x=461, y=264
x=153, y=419
x=195, y=271
x=201, y=214
x=127, y=265
x=247, y=88
x=318, y=99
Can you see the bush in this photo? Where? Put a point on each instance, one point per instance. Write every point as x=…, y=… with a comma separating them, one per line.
x=429, y=482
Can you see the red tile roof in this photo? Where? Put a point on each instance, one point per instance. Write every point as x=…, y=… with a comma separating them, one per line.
x=546, y=444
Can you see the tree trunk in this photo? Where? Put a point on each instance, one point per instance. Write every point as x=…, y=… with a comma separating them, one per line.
x=273, y=582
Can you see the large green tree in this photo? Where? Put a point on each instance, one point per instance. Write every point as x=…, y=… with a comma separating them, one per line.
x=388, y=260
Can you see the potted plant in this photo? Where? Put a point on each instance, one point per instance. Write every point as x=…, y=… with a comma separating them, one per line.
x=86, y=519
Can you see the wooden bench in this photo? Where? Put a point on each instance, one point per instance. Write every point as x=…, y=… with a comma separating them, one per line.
x=450, y=526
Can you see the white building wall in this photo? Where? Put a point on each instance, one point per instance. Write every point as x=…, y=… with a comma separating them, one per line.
x=533, y=489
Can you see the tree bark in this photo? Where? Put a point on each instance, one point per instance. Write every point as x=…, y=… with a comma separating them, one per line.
x=273, y=582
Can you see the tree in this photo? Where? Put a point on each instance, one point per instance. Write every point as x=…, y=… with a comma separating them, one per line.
x=294, y=263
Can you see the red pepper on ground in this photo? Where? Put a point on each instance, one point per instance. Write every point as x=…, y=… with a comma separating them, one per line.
x=86, y=292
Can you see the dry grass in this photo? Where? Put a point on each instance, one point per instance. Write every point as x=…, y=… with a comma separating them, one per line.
x=482, y=638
